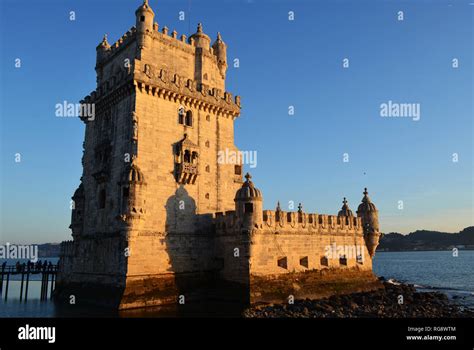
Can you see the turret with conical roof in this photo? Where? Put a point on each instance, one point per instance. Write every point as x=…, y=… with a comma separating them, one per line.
x=370, y=222
x=220, y=50
x=132, y=203
x=102, y=48
x=200, y=39
x=248, y=204
x=144, y=23
x=345, y=210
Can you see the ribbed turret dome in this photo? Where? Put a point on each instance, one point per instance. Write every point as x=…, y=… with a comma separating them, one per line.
x=366, y=204
x=104, y=44
x=248, y=191
x=218, y=43
x=345, y=210
x=145, y=7
x=133, y=174
x=200, y=38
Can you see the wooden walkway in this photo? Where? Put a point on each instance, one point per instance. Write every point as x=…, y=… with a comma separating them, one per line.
x=48, y=274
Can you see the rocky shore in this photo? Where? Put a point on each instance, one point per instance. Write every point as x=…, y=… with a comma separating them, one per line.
x=392, y=301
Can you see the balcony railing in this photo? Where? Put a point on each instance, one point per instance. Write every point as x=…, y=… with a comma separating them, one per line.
x=188, y=168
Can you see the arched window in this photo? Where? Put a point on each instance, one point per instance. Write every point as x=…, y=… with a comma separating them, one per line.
x=181, y=115
x=194, y=157
x=189, y=118
x=187, y=156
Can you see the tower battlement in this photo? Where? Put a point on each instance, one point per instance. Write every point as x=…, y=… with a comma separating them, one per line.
x=301, y=223
x=162, y=83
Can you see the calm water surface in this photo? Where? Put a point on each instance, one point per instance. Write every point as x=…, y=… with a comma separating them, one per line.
x=429, y=271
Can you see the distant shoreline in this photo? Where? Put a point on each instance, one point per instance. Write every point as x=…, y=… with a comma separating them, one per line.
x=421, y=250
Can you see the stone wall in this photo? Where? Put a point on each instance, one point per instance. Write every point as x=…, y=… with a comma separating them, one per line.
x=284, y=252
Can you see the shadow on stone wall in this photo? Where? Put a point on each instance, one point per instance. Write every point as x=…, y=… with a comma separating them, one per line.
x=100, y=288
x=190, y=244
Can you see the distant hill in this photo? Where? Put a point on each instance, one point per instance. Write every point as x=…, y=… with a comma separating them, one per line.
x=48, y=250
x=427, y=240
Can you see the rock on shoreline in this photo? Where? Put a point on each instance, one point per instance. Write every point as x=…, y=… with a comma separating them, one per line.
x=383, y=303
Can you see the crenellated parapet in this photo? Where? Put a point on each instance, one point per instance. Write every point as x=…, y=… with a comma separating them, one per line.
x=311, y=221
x=226, y=221
x=249, y=218
x=170, y=85
x=292, y=222
x=166, y=84
x=106, y=52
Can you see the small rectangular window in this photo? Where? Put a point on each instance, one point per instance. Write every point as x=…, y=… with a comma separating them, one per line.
x=248, y=207
x=304, y=261
x=324, y=261
x=142, y=19
x=189, y=118
x=238, y=170
x=283, y=262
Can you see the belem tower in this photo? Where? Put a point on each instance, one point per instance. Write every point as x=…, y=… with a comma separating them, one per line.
x=157, y=216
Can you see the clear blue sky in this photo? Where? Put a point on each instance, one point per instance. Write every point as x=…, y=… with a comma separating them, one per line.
x=282, y=63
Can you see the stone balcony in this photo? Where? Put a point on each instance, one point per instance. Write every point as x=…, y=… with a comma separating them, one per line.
x=187, y=173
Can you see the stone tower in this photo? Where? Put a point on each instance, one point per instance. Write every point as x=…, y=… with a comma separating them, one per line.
x=248, y=205
x=160, y=214
x=151, y=180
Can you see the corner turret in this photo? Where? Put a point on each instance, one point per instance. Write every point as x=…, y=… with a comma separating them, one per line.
x=144, y=23
x=220, y=50
x=200, y=39
x=132, y=204
x=248, y=205
x=370, y=222
x=102, y=49
x=77, y=214
x=345, y=210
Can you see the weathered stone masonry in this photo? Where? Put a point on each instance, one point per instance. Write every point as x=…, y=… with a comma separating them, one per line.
x=156, y=215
